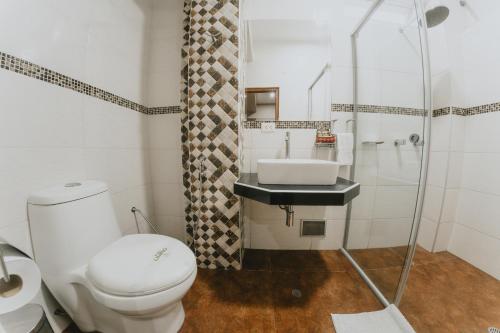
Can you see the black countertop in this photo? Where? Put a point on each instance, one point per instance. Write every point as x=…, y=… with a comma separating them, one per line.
x=338, y=194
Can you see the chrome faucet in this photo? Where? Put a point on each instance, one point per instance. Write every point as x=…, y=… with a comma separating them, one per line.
x=287, y=145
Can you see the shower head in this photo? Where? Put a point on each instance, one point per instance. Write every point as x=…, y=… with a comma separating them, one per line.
x=436, y=16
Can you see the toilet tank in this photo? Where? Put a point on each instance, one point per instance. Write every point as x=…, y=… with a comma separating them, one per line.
x=69, y=224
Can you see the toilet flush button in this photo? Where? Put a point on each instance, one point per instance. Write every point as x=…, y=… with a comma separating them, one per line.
x=72, y=184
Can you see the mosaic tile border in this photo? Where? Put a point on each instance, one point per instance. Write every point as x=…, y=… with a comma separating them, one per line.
x=367, y=108
x=26, y=68
x=475, y=110
x=164, y=110
x=459, y=111
x=441, y=112
x=288, y=124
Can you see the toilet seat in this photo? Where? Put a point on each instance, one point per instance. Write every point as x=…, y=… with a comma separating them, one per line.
x=140, y=273
x=143, y=264
x=142, y=305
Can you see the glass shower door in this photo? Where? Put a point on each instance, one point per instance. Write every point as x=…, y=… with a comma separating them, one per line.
x=390, y=126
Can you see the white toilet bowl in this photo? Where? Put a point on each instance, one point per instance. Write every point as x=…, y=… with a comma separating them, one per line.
x=105, y=281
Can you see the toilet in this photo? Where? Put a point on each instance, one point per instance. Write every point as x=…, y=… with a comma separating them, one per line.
x=106, y=281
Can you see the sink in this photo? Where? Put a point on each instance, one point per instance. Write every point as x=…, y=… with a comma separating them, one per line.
x=297, y=172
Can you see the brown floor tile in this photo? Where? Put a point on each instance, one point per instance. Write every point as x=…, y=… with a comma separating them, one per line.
x=241, y=299
x=423, y=256
x=386, y=279
x=377, y=258
x=400, y=250
x=336, y=261
x=298, y=261
x=451, y=297
x=257, y=260
x=444, y=294
x=323, y=293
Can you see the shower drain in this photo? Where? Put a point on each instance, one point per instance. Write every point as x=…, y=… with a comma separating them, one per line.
x=296, y=293
x=493, y=330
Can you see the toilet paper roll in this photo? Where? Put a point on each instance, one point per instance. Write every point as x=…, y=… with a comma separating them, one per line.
x=25, y=281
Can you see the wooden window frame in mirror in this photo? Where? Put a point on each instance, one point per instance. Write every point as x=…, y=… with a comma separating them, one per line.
x=275, y=90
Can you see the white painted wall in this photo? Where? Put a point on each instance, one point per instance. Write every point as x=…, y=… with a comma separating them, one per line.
x=164, y=82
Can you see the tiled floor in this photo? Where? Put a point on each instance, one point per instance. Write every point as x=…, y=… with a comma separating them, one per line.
x=384, y=267
x=444, y=294
x=259, y=298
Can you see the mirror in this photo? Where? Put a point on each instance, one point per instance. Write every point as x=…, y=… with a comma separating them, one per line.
x=292, y=55
x=262, y=104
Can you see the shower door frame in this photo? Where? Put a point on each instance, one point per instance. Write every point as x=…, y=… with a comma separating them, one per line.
x=426, y=80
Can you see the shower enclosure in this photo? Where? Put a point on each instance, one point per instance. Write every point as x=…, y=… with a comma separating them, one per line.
x=391, y=120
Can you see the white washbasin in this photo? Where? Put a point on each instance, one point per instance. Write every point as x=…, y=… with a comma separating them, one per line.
x=297, y=171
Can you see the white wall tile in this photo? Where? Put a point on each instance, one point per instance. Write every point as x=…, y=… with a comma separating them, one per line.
x=450, y=206
x=398, y=127
x=359, y=234
x=398, y=167
x=260, y=211
x=432, y=203
x=455, y=170
x=265, y=153
x=479, y=211
x=457, y=141
x=168, y=199
x=268, y=140
x=140, y=197
x=333, y=238
x=443, y=236
x=390, y=232
x=480, y=172
x=47, y=35
x=17, y=235
x=482, y=133
x=368, y=128
x=24, y=170
x=119, y=168
x=402, y=89
x=362, y=205
x=394, y=202
x=342, y=85
x=274, y=235
x=36, y=114
x=166, y=165
x=112, y=126
x=426, y=234
x=440, y=133
x=173, y=226
x=165, y=131
x=441, y=89
x=437, y=168
x=477, y=248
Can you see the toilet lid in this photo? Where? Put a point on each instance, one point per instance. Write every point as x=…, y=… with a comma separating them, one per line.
x=140, y=265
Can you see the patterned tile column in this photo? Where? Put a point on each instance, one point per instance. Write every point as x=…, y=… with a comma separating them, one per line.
x=210, y=132
x=186, y=161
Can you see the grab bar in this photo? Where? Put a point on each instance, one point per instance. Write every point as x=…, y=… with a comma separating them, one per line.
x=309, y=91
x=372, y=142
